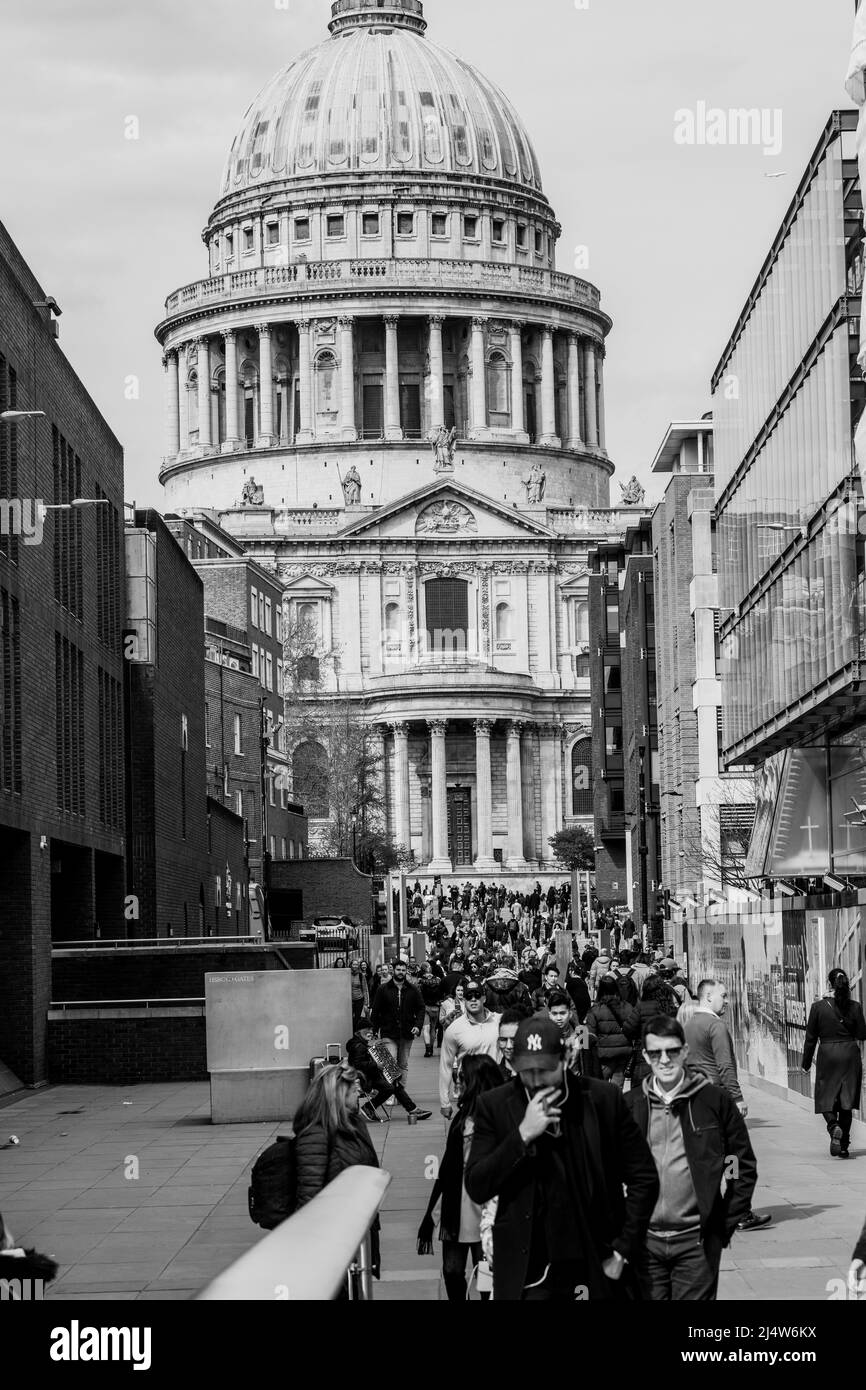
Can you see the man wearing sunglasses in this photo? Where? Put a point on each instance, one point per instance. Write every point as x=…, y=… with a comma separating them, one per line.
x=706, y=1167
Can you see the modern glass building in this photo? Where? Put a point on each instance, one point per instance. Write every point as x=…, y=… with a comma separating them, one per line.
x=787, y=398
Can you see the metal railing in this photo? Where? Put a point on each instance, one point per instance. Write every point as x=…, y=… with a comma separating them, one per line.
x=154, y=943
x=408, y=273
x=309, y=1257
x=63, y=1006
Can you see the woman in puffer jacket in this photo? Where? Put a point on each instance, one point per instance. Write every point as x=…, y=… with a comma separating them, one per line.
x=330, y=1136
x=617, y=1026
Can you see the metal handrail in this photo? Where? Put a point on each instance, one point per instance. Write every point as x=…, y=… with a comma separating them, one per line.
x=126, y=1003
x=154, y=943
x=307, y=1258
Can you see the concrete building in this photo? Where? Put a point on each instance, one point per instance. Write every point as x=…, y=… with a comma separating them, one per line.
x=394, y=401
x=706, y=814
x=186, y=866
x=61, y=667
x=625, y=729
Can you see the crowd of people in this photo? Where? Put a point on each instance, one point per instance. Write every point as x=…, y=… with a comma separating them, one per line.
x=598, y=1145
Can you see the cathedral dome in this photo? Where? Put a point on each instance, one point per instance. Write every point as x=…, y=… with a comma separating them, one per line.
x=378, y=97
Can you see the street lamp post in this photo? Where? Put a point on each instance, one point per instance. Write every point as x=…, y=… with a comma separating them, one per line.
x=643, y=849
x=265, y=744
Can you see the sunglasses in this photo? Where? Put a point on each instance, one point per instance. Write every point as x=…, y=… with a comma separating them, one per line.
x=655, y=1054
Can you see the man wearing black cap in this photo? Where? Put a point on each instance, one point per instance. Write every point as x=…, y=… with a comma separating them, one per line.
x=557, y=1150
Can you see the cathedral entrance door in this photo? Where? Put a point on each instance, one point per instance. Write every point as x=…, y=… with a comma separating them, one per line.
x=460, y=827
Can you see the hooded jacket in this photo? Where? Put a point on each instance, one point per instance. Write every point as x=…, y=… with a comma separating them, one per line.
x=504, y=991
x=717, y=1148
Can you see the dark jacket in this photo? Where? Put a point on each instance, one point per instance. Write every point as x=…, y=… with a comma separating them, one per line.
x=577, y=991
x=541, y=998
x=449, y=1183
x=714, y=1133
x=505, y=991
x=604, y=1152
x=393, y=1019
x=616, y=1028
x=361, y=1058
x=839, y=1073
x=860, y=1247
x=431, y=990
x=530, y=978
x=320, y=1162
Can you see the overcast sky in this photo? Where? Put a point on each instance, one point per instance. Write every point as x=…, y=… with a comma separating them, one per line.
x=676, y=234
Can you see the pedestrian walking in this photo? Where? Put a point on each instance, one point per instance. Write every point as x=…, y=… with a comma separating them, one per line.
x=712, y=1052
x=836, y=1027
x=616, y=1025
x=574, y=1176
x=460, y=1225
x=476, y=1032
x=398, y=1015
x=706, y=1166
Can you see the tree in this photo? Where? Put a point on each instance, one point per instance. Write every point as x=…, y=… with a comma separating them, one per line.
x=714, y=847
x=574, y=847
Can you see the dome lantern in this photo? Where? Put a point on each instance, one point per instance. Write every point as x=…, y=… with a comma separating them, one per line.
x=397, y=14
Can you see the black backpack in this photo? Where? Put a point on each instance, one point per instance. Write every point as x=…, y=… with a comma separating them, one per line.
x=627, y=987
x=273, y=1193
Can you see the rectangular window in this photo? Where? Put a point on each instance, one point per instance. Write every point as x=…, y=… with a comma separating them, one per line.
x=613, y=744
x=273, y=234
x=255, y=661
x=249, y=240
x=336, y=224
x=439, y=224
x=254, y=607
x=522, y=234
x=302, y=229
x=539, y=242
x=69, y=725
x=10, y=693
x=280, y=683
x=207, y=742
x=262, y=627
x=405, y=223
x=269, y=671
x=612, y=621
x=470, y=228
x=237, y=730
x=230, y=246
x=239, y=804
x=498, y=230
x=370, y=224
x=273, y=846
x=612, y=680
x=279, y=616
x=268, y=611
x=283, y=847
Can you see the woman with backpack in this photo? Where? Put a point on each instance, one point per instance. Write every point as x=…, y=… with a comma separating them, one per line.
x=460, y=1223
x=330, y=1136
x=838, y=1024
x=616, y=1024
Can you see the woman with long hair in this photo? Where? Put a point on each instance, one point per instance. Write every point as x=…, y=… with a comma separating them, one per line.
x=838, y=1024
x=460, y=1224
x=616, y=1024
x=330, y=1136
x=360, y=995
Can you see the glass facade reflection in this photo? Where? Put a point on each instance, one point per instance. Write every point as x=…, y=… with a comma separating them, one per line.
x=785, y=408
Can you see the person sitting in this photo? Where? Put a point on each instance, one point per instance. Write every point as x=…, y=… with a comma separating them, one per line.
x=378, y=1088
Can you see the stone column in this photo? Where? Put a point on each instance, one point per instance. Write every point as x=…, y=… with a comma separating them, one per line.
x=172, y=404
x=514, y=775
x=440, y=862
x=602, y=431
x=437, y=373
x=393, y=428
x=232, y=392
x=485, y=862
x=305, y=434
x=574, y=438
x=347, y=378
x=518, y=414
x=548, y=391
x=376, y=748
x=479, y=379
x=205, y=434
x=550, y=749
x=402, y=825
x=589, y=395
x=184, y=398
x=266, y=386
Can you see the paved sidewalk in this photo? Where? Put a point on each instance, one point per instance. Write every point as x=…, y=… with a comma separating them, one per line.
x=138, y=1196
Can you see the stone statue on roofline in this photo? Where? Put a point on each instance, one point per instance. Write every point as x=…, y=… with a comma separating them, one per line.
x=352, y=487
x=535, y=485
x=633, y=495
x=444, y=442
x=253, y=494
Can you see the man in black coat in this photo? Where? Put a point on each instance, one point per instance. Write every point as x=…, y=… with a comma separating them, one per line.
x=397, y=1016
x=557, y=1150
x=857, y=1275
x=707, y=1167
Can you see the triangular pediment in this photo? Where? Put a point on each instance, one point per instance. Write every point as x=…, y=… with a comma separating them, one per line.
x=308, y=586
x=447, y=510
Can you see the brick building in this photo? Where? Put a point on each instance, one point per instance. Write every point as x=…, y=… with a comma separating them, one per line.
x=624, y=724
x=61, y=666
x=186, y=863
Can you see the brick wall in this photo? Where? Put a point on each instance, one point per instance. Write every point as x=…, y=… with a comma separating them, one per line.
x=44, y=380
x=329, y=888
x=174, y=973
x=126, y=1051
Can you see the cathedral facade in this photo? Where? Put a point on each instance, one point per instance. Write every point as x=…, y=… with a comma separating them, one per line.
x=389, y=394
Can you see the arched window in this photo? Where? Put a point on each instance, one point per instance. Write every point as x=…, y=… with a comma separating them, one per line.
x=581, y=624
x=504, y=623
x=310, y=780
x=581, y=777
x=220, y=382
x=192, y=388
x=326, y=383
x=250, y=380
x=498, y=392
x=308, y=619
